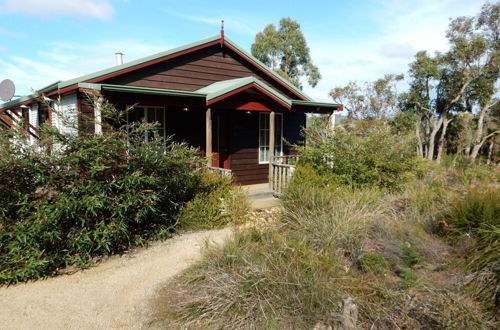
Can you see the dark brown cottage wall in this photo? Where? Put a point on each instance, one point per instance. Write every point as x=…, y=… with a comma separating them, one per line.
x=195, y=70
x=245, y=141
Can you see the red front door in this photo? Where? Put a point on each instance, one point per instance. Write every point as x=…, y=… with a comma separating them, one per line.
x=221, y=155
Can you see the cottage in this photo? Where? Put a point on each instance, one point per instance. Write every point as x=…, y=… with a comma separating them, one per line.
x=211, y=94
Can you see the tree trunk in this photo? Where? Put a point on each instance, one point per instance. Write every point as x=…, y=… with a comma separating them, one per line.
x=432, y=138
x=442, y=138
x=427, y=130
x=467, y=150
x=478, y=142
x=419, y=140
x=490, y=151
x=477, y=147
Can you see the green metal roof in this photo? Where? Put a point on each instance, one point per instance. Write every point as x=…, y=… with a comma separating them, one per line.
x=212, y=91
x=149, y=90
x=18, y=101
x=316, y=104
x=220, y=88
x=137, y=62
x=49, y=88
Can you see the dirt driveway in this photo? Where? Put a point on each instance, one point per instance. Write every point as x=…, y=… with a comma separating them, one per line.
x=113, y=295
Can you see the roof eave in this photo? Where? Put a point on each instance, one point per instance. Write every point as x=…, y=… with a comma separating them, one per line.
x=18, y=102
x=242, y=84
x=149, y=90
x=318, y=107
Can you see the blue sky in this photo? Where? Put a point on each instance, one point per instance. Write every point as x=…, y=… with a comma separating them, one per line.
x=42, y=41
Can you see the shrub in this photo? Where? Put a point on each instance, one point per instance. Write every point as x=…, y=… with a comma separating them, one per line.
x=297, y=274
x=360, y=154
x=374, y=263
x=216, y=204
x=75, y=198
x=410, y=257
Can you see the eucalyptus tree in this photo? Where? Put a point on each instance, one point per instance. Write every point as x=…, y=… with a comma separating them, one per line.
x=377, y=100
x=285, y=51
x=464, y=78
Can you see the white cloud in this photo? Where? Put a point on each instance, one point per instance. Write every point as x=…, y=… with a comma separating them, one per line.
x=29, y=75
x=99, y=9
x=406, y=26
x=63, y=60
x=396, y=50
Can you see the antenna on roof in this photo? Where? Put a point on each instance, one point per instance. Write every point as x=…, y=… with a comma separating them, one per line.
x=221, y=32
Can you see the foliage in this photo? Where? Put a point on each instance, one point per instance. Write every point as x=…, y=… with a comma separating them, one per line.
x=374, y=263
x=332, y=243
x=285, y=51
x=410, y=257
x=216, y=204
x=72, y=199
x=463, y=79
x=360, y=154
x=376, y=100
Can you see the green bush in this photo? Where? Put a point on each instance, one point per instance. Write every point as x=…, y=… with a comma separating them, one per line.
x=410, y=257
x=76, y=198
x=360, y=154
x=216, y=204
x=374, y=263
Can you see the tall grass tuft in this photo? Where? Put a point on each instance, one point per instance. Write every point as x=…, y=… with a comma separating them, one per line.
x=332, y=243
x=476, y=218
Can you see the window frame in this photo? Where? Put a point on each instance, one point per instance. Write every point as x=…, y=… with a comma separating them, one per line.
x=145, y=109
x=280, y=144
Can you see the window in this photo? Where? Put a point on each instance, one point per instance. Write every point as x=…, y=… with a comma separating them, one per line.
x=25, y=112
x=264, y=136
x=149, y=115
x=43, y=114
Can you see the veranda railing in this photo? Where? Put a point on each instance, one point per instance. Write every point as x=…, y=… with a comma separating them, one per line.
x=282, y=172
x=221, y=171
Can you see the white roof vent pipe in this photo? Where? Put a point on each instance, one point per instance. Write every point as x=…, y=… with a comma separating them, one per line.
x=119, y=58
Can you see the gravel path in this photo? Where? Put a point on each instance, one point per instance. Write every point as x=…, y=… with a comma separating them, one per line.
x=115, y=294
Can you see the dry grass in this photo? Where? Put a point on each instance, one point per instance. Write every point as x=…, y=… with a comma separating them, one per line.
x=329, y=244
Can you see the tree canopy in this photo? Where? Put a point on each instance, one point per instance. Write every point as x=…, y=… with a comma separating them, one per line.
x=377, y=100
x=458, y=86
x=285, y=51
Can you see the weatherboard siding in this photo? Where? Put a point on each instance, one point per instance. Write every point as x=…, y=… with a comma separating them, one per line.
x=195, y=70
x=85, y=114
x=33, y=120
x=244, y=141
x=68, y=116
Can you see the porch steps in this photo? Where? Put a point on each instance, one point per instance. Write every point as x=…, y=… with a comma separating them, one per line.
x=260, y=196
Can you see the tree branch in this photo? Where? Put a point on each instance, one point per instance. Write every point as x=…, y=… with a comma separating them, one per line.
x=487, y=137
x=462, y=90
